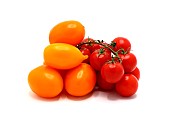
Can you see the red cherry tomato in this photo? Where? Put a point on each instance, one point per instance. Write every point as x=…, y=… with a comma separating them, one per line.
x=136, y=73
x=86, y=51
x=127, y=86
x=122, y=43
x=112, y=72
x=98, y=58
x=102, y=84
x=88, y=46
x=129, y=62
x=95, y=47
x=98, y=46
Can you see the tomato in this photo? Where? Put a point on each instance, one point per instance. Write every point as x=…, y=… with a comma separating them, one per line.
x=136, y=73
x=122, y=43
x=86, y=51
x=63, y=56
x=102, y=84
x=112, y=72
x=70, y=32
x=88, y=46
x=45, y=81
x=127, y=86
x=98, y=58
x=129, y=62
x=80, y=80
x=98, y=46
x=95, y=47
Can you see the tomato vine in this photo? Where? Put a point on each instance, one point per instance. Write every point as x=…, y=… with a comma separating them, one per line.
x=101, y=42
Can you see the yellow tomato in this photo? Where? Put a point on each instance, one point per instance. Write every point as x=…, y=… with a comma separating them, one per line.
x=63, y=56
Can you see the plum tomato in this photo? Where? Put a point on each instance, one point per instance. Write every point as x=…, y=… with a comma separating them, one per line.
x=112, y=72
x=70, y=32
x=80, y=80
x=63, y=56
x=127, y=86
x=45, y=81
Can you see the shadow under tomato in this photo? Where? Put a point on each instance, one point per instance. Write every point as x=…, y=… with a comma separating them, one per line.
x=114, y=96
x=78, y=98
x=33, y=95
x=96, y=93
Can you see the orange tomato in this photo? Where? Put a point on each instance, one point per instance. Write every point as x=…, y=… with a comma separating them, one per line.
x=80, y=80
x=45, y=81
x=63, y=56
x=71, y=32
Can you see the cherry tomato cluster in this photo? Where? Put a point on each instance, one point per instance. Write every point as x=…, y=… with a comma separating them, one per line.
x=115, y=65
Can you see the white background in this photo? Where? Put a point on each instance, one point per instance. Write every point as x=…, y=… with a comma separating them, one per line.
x=24, y=30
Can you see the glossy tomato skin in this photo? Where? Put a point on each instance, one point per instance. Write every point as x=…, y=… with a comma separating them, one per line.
x=136, y=73
x=112, y=72
x=80, y=80
x=127, y=86
x=122, y=42
x=129, y=62
x=86, y=51
x=102, y=84
x=45, y=81
x=97, y=59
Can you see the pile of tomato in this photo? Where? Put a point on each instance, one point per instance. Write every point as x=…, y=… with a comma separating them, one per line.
x=79, y=65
